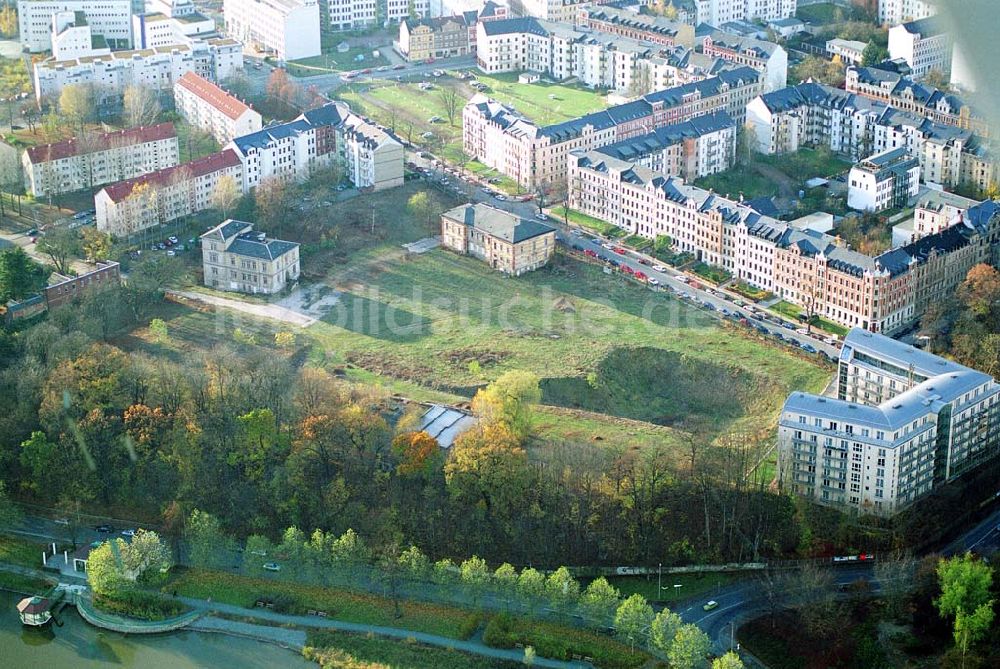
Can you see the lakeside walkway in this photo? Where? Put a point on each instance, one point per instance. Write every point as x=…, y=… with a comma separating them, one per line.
x=288, y=637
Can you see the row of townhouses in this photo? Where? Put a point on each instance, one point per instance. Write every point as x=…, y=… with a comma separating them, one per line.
x=372, y=158
x=623, y=23
x=694, y=12
x=537, y=156
x=816, y=115
x=911, y=96
x=92, y=160
x=445, y=36
x=811, y=269
x=904, y=422
x=159, y=68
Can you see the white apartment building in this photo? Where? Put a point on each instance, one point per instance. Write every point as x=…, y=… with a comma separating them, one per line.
x=128, y=207
x=79, y=163
x=355, y=14
x=893, y=12
x=154, y=30
x=883, y=181
x=371, y=156
x=549, y=10
x=857, y=126
x=534, y=156
x=849, y=51
x=717, y=12
x=765, y=57
x=157, y=68
x=111, y=19
x=73, y=38
x=287, y=29
x=925, y=45
x=235, y=258
x=904, y=423
x=206, y=106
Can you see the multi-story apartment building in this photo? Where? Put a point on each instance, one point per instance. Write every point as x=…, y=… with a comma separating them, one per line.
x=904, y=423
x=692, y=149
x=444, y=37
x=372, y=157
x=507, y=242
x=563, y=11
x=112, y=19
x=856, y=126
x=490, y=11
x=128, y=207
x=766, y=57
x=355, y=14
x=72, y=37
x=623, y=23
x=907, y=95
x=925, y=45
x=156, y=68
x=679, y=65
x=88, y=161
x=204, y=105
x=288, y=29
x=154, y=30
x=814, y=270
x=893, y=12
x=235, y=258
x=537, y=156
x=883, y=181
x=938, y=210
x=717, y=12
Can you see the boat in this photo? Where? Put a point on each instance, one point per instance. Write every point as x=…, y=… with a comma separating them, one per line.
x=35, y=611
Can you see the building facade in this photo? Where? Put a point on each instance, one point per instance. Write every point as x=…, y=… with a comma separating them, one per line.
x=908, y=95
x=112, y=19
x=893, y=12
x=812, y=269
x=235, y=258
x=883, y=181
x=765, y=57
x=623, y=23
x=65, y=289
x=718, y=12
x=508, y=243
x=287, y=29
x=157, y=68
x=534, y=156
x=128, y=207
x=81, y=163
x=925, y=45
x=372, y=157
x=445, y=37
x=849, y=51
x=206, y=106
x=904, y=422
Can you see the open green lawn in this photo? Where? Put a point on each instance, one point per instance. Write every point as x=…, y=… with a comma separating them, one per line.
x=194, y=142
x=599, y=343
x=27, y=585
x=588, y=222
x=806, y=163
x=14, y=550
x=338, y=649
x=739, y=181
x=339, y=604
x=793, y=311
x=543, y=103
x=821, y=14
x=691, y=585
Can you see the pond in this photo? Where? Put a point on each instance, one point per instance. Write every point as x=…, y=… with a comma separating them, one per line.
x=77, y=645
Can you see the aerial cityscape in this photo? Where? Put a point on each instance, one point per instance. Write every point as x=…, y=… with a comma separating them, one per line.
x=484, y=334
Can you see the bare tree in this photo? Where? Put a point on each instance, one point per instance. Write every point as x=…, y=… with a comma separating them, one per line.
x=450, y=100
x=141, y=105
x=226, y=194
x=814, y=596
x=895, y=575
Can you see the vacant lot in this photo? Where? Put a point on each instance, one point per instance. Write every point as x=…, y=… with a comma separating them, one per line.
x=599, y=344
x=769, y=176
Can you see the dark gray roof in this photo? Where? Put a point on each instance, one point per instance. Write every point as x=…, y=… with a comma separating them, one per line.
x=659, y=139
x=497, y=222
x=240, y=238
x=928, y=27
x=525, y=24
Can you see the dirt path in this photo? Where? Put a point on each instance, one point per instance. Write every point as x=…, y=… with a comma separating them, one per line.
x=271, y=311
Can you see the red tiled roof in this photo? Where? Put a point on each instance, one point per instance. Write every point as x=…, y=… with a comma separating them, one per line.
x=213, y=95
x=196, y=168
x=129, y=137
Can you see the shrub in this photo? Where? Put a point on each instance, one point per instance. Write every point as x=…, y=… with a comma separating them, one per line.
x=139, y=604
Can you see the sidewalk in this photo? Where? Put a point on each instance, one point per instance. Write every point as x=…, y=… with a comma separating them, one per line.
x=279, y=635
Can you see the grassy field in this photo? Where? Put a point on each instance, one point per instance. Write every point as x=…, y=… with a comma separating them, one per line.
x=739, y=181
x=821, y=14
x=193, y=142
x=806, y=163
x=339, y=604
x=793, y=311
x=24, y=584
x=692, y=585
x=588, y=222
x=336, y=650
x=21, y=552
x=557, y=642
x=543, y=103
x=794, y=170
x=599, y=343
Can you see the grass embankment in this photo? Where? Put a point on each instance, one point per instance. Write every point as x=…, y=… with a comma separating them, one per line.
x=692, y=585
x=588, y=222
x=794, y=312
x=140, y=605
x=28, y=585
x=14, y=550
x=339, y=604
x=335, y=650
x=561, y=643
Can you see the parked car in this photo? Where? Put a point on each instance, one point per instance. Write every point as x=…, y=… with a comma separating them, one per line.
x=711, y=604
x=500, y=196
x=541, y=216
x=172, y=239
x=399, y=67
x=104, y=529
x=659, y=268
x=128, y=533
x=653, y=281
x=271, y=566
x=61, y=521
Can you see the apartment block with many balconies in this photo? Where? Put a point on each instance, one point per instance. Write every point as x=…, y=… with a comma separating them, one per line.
x=883, y=181
x=904, y=423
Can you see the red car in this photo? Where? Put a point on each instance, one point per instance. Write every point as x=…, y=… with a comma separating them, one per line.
x=627, y=269
x=641, y=276
x=367, y=70
x=592, y=254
